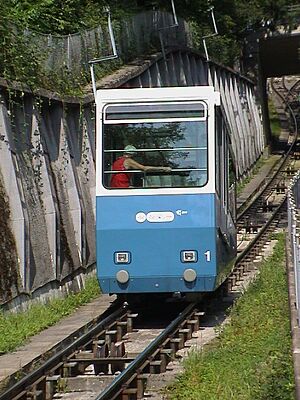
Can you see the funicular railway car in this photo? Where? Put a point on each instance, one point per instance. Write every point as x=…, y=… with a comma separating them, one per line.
x=165, y=206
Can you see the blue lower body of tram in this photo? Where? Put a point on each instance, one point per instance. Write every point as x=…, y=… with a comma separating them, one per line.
x=172, y=243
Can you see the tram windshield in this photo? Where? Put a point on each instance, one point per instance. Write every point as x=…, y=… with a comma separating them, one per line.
x=171, y=137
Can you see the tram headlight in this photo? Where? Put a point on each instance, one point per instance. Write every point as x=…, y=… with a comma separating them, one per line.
x=122, y=276
x=189, y=256
x=122, y=257
x=189, y=275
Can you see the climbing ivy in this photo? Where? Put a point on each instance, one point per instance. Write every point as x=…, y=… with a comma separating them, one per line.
x=22, y=60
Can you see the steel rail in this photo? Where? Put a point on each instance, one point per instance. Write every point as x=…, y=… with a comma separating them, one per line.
x=282, y=162
x=118, y=383
x=279, y=166
x=259, y=234
x=264, y=228
x=287, y=104
x=135, y=366
x=57, y=358
x=263, y=190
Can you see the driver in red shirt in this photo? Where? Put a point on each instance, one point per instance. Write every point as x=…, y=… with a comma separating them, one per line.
x=126, y=163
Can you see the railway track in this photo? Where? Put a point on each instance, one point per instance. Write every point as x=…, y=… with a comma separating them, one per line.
x=101, y=351
x=109, y=350
x=255, y=216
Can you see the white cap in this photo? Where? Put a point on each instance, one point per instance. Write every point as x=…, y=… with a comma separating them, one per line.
x=129, y=149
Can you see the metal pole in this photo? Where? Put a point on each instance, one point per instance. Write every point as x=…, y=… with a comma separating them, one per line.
x=109, y=57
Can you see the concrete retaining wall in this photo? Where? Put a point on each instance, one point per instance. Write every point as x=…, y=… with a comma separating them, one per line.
x=47, y=186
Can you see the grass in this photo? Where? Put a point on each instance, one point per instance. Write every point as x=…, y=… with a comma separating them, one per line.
x=251, y=359
x=16, y=328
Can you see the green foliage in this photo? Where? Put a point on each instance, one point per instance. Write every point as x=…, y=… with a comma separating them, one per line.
x=15, y=328
x=66, y=16
x=21, y=59
x=22, y=56
x=11, y=49
x=55, y=16
x=251, y=359
x=234, y=19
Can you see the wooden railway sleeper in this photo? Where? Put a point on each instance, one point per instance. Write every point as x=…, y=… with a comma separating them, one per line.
x=251, y=227
x=136, y=387
x=185, y=333
x=245, y=266
x=52, y=383
x=290, y=170
x=260, y=244
x=82, y=354
x=194, y=324
x=249, y=266
x=230, y=282
x=166, y=356
x=130, y=318
x=37, y=390
x=117, y=350
x=233, y=282
x=252, y=253
x=129, y=394
x=101, y=351
x=121, y=329
x=267, y=205
x=198, y=315
x=228, y=285
x=96, y=344
x=156, y=367
x=280, y=188
x=70, y=369
x=235, y=276
x=240, y=271
x=155, y=363
x=141, y=383
x=110, y=337
x=35, y=395
x=176, y=344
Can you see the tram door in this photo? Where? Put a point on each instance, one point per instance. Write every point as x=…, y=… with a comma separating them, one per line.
x=225, y=179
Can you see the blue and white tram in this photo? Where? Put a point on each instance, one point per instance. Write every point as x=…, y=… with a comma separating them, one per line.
x=167, y=231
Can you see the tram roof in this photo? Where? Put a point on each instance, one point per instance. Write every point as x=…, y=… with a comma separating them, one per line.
x=165, y=93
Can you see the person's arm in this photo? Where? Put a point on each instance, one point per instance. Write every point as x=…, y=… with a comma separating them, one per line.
x=131, y=164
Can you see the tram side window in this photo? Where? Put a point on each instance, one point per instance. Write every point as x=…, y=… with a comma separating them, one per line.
x=232, y=183
x=223, y=167
x=179, y=145
x=219, y=150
